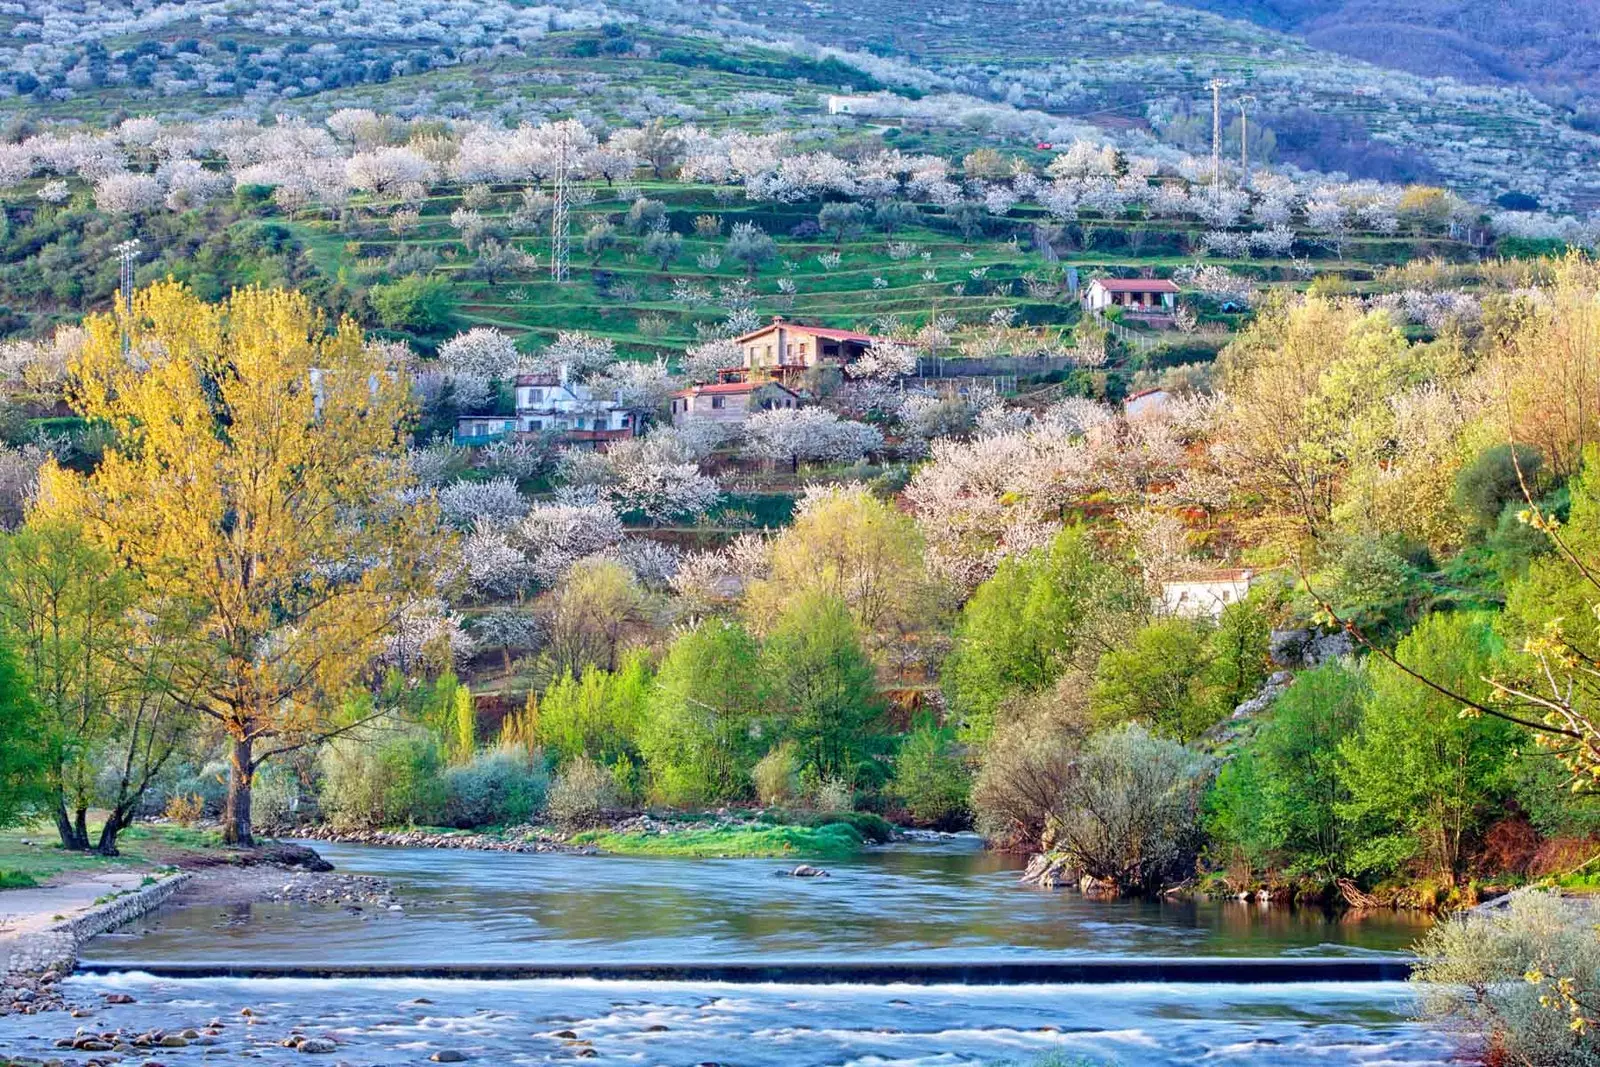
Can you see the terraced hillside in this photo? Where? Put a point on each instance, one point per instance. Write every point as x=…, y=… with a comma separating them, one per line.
x=1143, y=64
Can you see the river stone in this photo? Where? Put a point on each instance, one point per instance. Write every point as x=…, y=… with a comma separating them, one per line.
x=317, y=1045
x=805, y=870
x=448, y=1055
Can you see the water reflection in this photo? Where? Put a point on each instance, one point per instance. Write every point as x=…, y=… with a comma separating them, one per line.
x=905, y=900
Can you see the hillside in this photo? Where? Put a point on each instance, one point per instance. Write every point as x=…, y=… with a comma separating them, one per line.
x=1140, y=74
x=1551, y=49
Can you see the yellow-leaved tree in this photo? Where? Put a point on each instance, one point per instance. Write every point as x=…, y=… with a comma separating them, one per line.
x=256, y=477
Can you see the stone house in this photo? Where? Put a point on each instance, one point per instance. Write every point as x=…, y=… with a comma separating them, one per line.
x=730, y=403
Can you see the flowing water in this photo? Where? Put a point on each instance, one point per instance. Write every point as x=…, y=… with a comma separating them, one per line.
x=907, y=902
x=948, y=901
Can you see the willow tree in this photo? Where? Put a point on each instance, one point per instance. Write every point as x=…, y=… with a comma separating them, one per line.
x=256, y=478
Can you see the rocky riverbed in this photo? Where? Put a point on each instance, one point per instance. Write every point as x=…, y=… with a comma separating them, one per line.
x=274, y=873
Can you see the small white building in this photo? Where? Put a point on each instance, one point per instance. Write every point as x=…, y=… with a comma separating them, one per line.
x=1145, y=404
x=1138, y=296
x=552, y=403
x=842, y=104
x=1204, y=595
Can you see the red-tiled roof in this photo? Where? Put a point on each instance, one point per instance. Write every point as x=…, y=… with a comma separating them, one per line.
x=1136, y=285
x=1141, y=394
x=538, y=379
x=825, y=332
x=731, y=388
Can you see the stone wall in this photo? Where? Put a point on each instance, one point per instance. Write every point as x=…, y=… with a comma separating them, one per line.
x=56, y=947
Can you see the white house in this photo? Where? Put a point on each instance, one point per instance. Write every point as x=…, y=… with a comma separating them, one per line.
x=1140, y=296
x=842, y=104
x=1146, y=403
x=552, y=403
x=1204, y=595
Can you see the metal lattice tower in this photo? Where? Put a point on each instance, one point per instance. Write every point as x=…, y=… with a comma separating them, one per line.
x=1216, y=85
x=559, y=240
x=129, y=251
x=1244, y=136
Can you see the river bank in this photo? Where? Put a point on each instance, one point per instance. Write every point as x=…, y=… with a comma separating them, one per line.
x=43, y=927
x=755, y=834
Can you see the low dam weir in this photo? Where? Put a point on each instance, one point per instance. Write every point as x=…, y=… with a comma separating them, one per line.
x=1213, y=970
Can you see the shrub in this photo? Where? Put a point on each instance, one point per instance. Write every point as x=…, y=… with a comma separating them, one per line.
x=416, y=302
x=1495, y=479
x=275, y=797
x=185, y=810
x=930, y=778
x=581, y=795
x=502, y=786
x=833, y=795
x=1130, y=808
x=394, y=781
x=1019, y=784
x=208, y=783
x=777, y=776
x=1521, y=983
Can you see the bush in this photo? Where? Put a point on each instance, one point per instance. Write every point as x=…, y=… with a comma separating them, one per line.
x=275, y=796
x=394, y=781
x=930, y=778
x=777, y=776
x=186, y=810
x=502, y=786
x=1486, y=485
x=1129, y=812
x=833, y=795
x=209, y=782
x=1522, y=982
x=1020, y=781
x=417, y=302
x=581, y=795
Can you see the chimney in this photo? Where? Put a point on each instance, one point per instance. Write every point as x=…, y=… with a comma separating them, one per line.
x=777, y=319
x=561, y=374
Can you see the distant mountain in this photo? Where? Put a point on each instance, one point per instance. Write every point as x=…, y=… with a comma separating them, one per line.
x=1552, y=49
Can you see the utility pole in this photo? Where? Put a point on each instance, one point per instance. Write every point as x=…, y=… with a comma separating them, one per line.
x=1244, y=136
x=129, y=251
x=558, y=210
x=1216, y=85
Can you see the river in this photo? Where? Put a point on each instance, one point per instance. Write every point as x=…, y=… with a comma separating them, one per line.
x=943, y=902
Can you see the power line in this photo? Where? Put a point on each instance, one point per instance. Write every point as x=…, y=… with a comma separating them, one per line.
x=129, y=251
x=1244, y=136
x=559, y=242
x=1216, y=85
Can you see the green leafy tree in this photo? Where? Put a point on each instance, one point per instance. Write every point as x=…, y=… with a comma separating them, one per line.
x=823, y=686
x=841, y=219
x=599, y=714
x=22, y=781
x=892, y=215
x=1240, y=645
x=663, y=246
x=419, y=303
x=750, y=246
x=703, y=727
x=930, y=777
x=1161, y=679
x=1279, y=801
x=1421, y=775
x=1496, y=478
x=1039, y=615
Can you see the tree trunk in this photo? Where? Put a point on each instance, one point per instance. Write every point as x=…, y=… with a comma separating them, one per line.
x=70, y=840
x=115, y=821
x=236, y=815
